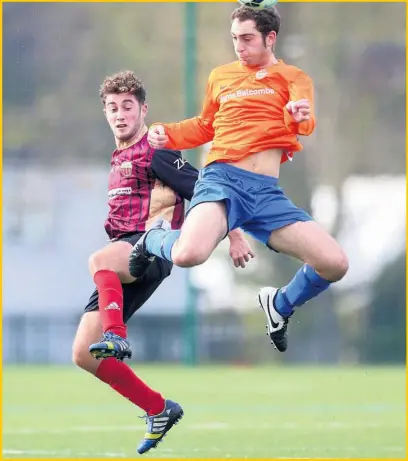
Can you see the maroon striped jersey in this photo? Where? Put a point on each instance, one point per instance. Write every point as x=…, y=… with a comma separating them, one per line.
x=144, y=184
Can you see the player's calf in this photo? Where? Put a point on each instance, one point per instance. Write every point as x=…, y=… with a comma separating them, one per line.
x=82, y=359
x=280, y=304
x=89, y=329
x=109, y=268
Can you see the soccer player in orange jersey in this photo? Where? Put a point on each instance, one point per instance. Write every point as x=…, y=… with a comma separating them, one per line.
x=254, y=110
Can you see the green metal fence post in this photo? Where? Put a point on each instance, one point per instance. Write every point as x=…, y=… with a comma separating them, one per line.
x=190, y=81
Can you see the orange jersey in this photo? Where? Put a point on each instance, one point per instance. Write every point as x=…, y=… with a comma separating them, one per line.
x=244, y=113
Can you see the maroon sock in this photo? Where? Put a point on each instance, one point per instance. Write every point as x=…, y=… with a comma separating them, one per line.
x=110, y=302
x=123, y=380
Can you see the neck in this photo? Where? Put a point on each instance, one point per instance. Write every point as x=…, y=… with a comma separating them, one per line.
x=270, y=61
x=135, y=139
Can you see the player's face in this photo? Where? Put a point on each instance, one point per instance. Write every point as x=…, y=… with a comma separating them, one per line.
x=125, y=115
x=249, y=44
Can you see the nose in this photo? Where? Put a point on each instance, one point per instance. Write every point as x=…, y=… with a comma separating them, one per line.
x=120, y=115
x=239, y=46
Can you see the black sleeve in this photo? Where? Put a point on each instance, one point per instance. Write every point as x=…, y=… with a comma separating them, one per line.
x=175, y=172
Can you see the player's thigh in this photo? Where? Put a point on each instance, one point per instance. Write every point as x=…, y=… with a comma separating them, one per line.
x=89, y=331
x=310, y=243
x=204, y=228
x=114, y=257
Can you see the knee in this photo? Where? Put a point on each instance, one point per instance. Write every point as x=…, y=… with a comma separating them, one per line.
x=336, y=266
x=101, y=261
x=187, y=256
x=96, y=262
x=82, y=358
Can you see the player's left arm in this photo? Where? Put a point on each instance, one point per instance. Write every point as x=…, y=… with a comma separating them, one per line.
x=176, y=173
x=299, y=115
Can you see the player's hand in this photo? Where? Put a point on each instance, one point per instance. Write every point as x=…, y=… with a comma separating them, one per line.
x=157, y=137
x=240, y=251
x=299, y=110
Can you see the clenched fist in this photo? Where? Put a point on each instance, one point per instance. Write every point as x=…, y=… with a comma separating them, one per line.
x=157, y=137
x=299, y=110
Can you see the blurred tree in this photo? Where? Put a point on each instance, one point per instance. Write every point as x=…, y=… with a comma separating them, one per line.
x=384, y=338
x=20, y=71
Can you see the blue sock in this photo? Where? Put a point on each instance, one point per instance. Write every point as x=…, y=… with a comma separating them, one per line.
x=160, y=242
x=305, y=285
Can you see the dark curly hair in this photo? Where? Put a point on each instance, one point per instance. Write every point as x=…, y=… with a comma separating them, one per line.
x=123, y=82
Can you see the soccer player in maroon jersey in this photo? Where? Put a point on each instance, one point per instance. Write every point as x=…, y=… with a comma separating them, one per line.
x=144, y=183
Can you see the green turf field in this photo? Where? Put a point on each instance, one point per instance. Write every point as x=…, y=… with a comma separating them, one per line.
x=274, y=412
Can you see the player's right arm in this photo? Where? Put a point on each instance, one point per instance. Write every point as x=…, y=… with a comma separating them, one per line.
x=189, y=133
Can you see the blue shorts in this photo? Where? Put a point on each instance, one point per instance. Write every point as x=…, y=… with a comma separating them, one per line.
x=254, y=202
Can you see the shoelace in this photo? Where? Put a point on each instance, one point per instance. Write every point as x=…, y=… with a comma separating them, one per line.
x=112, y=337
x=145, y=417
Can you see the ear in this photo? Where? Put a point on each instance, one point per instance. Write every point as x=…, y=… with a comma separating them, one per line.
x=271, y=39
x=143, y=110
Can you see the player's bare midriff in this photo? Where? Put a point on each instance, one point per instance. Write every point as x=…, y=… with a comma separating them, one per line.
x=266, y=162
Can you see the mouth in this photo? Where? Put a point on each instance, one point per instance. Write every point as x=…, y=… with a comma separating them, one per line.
x=121, y=126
